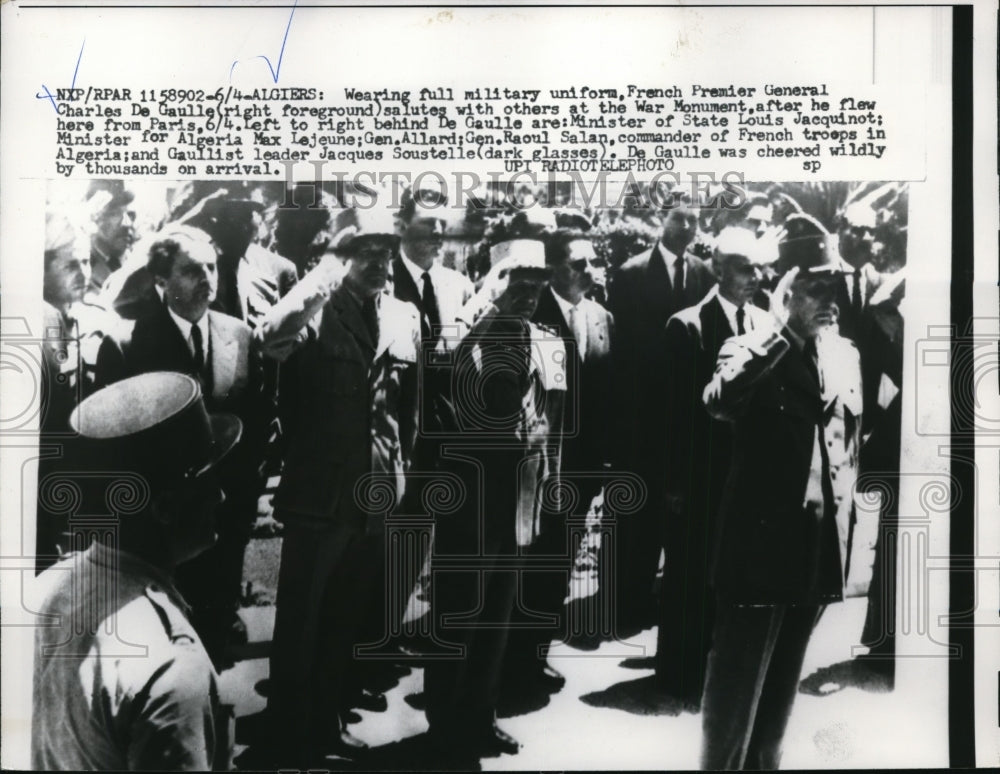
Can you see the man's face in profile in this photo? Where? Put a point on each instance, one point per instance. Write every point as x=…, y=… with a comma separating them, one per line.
x=67, y=275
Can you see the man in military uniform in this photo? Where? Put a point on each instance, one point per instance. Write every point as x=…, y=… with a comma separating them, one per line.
x=349, y=395
x=501, y=378
x=121, y=680
x=580, y=446
x=792, y=391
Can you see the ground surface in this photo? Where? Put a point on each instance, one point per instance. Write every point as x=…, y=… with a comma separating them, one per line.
x=608, y=716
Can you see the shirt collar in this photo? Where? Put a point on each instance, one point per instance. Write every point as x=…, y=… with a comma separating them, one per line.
x=669, y=259
x=730, y=309
x=564, y=305
x=415, y=271
x=184, y=326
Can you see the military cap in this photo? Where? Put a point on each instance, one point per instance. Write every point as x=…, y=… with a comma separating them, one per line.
x=518, y=254
x=804, y=245
x=356, y=223
x=154, y=424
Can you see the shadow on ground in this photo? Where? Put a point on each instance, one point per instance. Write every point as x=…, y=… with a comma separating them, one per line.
x=874, y=676
x=637, y=697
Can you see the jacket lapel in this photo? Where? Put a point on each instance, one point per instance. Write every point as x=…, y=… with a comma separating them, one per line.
x=549, y=314
x=715, y=327
x=404, y=286
x=694, y=284
x=224, y=353
x=166, y=343
x=597, y=330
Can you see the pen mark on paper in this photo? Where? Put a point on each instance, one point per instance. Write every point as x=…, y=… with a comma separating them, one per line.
x=46, y=94
x=275, y=70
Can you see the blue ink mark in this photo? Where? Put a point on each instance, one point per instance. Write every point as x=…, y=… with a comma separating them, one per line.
x=48, y=94
x=275, y=71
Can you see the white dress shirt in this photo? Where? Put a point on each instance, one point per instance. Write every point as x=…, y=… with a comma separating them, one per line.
x=184, y=326
x=730, y=310
x=576, y=318
x=418, y=274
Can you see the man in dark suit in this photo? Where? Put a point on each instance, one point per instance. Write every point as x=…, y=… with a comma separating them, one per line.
x=648, y=289
x=793, y=394
x=699, y=450
x=181, y=334
x=438, y=293
x=580, y=443
x=349, y=392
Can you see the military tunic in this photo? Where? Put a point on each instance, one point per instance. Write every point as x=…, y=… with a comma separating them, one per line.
x=121, y=680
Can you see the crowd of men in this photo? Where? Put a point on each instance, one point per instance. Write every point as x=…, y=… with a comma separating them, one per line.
x=734, y=366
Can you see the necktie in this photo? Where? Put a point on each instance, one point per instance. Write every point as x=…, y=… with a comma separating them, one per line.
x=679, y=284
x=227, y=298
x=369, y=311
x=431, y=306
x=856, y=297
x=199, y=349
x=740, y=318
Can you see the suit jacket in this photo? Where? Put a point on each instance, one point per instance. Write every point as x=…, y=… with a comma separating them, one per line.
x=451, y=289
x=641, y=301
x=580, y=418
x=852, y=324
x=236, y=384
x=698, y=446
x=786, y=511
x=349, y=410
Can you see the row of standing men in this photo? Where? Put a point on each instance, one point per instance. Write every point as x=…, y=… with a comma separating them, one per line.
x=503, y=393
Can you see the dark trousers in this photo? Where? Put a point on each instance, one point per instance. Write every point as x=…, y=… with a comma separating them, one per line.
x=687, y=606
x=635, y=556
x=879, y=632
x=539, y=615
x=212, y=582
x=328, y=578
x=753, y=676
x=470, y=609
